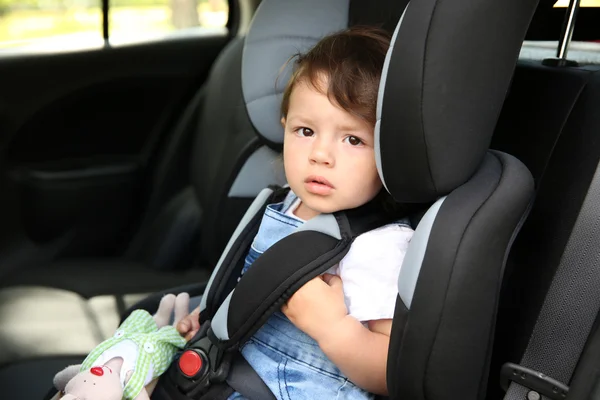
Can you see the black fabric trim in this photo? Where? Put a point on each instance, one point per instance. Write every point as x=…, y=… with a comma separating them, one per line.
x=289, y=264
x=446, y=133
x=401, y=317
x=244, y=380
x=356, y=221
x=384, y=14
x=453, y=309
x=276, y=275
x=218, y=391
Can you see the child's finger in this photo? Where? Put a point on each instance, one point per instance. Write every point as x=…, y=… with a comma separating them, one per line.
x=183, y=326
x=191, y=334
x=182, y=306
x=328, y=277
x=334, y=281
x=195, y=317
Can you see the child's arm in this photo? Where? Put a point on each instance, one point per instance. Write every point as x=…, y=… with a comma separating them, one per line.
x=319, y=310
x=360, y=353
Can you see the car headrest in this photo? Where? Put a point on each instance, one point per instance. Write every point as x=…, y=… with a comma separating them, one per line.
x=444, y=82
x=281, y=29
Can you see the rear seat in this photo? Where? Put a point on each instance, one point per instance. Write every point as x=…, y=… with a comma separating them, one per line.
x=230, y=166
x=551, y=122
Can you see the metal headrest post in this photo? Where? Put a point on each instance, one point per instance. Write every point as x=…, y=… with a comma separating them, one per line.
x=565, y=38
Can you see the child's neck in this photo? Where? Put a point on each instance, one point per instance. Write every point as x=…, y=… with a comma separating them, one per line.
x=305, y=213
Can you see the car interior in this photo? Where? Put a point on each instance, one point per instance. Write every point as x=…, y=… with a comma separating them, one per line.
x=124, y=172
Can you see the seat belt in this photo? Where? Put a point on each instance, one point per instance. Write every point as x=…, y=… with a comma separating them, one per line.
x=567, y=314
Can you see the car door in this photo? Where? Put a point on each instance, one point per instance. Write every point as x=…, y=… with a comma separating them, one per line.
x=83, y=121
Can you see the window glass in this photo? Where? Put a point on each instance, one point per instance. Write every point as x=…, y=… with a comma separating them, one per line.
x=584, y=3
x=50, y=24
x=138, y=20
x=56, y=25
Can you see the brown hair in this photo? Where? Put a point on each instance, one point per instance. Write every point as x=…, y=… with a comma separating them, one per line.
x=352, y=61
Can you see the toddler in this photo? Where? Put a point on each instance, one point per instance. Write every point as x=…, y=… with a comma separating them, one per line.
x=331, y=338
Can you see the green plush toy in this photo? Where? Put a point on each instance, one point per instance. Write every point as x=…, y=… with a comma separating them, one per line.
x=124, y=366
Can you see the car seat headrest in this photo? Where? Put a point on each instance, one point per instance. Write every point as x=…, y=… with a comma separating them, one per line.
x=283, y=28
x=280, y=29
x=444, y=82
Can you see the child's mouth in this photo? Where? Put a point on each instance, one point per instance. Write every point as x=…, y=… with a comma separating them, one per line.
x=318, y=185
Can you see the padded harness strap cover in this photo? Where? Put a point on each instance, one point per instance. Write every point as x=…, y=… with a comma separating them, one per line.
x=285, y=267
x=220, y=284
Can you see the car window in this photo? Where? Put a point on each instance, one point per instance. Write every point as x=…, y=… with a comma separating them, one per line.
x=57, y=25
x=547, y=27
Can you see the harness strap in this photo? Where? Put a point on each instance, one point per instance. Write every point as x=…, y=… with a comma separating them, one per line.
x=246, y=303
x=230, y=263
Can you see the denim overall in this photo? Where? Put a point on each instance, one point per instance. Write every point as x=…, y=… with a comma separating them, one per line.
x=289, y=361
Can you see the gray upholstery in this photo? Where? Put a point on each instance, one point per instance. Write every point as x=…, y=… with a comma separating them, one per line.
x=411, y=266
x=382, y=81
x=263, y=168
x=324, y=223
x=252, y=210
x=219, y=321
x=281, y=29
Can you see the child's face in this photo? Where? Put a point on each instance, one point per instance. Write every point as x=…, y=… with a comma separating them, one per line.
x=328, y=154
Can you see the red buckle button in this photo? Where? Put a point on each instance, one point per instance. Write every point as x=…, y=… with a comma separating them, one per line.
x=190, y=363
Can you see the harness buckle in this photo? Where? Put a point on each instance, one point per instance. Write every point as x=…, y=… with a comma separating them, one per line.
x=534, y=380
x=200, y=364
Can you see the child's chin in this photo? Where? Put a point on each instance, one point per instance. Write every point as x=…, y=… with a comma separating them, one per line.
x=322, y=205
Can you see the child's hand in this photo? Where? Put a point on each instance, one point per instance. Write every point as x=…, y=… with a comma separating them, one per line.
x=190, y=325
x=317, y=306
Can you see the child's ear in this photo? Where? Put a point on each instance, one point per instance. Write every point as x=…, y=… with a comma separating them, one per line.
x=283, y=121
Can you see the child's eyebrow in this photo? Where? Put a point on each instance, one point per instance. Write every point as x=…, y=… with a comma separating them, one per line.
x=352, y=128
x=299, y=119
x=349, y=128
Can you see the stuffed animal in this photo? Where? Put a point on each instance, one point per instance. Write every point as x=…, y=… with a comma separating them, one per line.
x=128, y=365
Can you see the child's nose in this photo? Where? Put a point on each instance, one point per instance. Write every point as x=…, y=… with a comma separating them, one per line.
x=321, y=153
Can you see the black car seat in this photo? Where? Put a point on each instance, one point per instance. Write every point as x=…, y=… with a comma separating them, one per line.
x=431, y=148
x=230, y=165
x=550, y=121
x=440, y=105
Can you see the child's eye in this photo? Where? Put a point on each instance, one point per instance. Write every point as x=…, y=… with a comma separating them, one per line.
x=354, y=141
x=306, y=132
